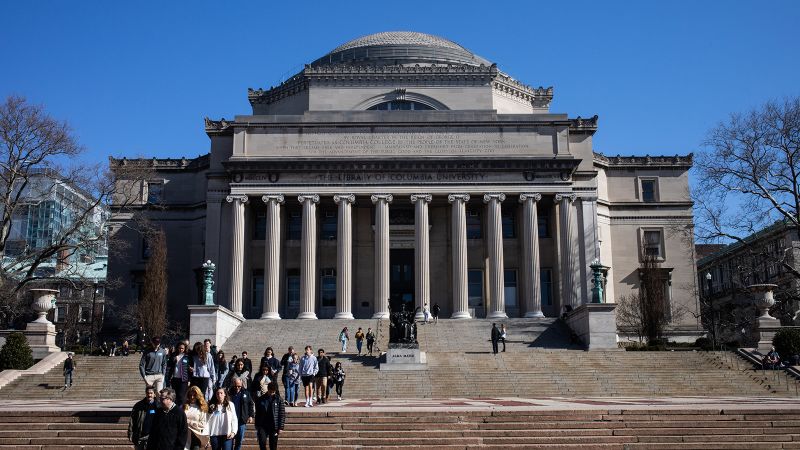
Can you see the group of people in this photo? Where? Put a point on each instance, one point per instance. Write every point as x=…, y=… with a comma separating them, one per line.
x=360, y=336
x=498, y=335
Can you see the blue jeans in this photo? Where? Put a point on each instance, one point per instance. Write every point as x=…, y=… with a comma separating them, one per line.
x=221, y=443
x=237, y=441
x=358, y=345
x=291, y=392
x=67, y=378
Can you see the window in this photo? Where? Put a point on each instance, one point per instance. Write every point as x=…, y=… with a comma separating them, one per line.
x=509, y=219
x=400, y=105
x=294, y=226
x=546, y=283
x=155, y=192
x=649, y=189
x=474, y=230
x=259, y=225
x=328, y=287
x=85, y=313
x=652, y=243
x=61, y=314
x=544, y=226
x=475, y=287
x=257, y=292
x=329, y=225
x=510, y=289
x=293, y=288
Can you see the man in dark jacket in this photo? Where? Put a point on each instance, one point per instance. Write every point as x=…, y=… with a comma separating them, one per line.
x=495, y=338
x=248, y=363
x=321, y=380
x=169, y=428
x=270, y=418
x=244, y=407
x=142, y=415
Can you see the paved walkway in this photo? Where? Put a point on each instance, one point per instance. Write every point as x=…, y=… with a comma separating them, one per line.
x=462, y=404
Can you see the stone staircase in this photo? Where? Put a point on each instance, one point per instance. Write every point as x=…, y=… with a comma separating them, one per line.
x=539, y=362
x=627, y=429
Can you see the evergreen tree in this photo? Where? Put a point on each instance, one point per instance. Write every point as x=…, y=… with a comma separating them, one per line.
x=16, y=354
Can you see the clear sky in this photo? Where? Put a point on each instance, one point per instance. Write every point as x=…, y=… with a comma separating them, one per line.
x=137, y=78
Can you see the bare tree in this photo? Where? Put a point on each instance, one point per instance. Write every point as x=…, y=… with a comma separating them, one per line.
x=646, y=311
x=42, y=176
x=152, y=307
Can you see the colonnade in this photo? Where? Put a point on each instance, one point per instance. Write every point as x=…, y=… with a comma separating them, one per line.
x=344, y=272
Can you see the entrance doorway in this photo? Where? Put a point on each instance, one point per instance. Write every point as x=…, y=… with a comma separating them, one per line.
x=401, y=279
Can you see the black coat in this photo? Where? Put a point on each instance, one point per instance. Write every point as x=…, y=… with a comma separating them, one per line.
x=169, y=430
x=495, y=334
x=325, y=366
x=188, y=361
x=278, y=417
x=247, y=408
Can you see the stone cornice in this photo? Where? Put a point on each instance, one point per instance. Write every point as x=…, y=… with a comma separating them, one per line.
x=581, y=125
x=539, y=97
x=218, y=127
x=618, y=161
x=199, y=163
x=292, y=86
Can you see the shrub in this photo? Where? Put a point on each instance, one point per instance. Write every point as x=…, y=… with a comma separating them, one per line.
x=16, y=354
x=787, y=342
x=704, y=343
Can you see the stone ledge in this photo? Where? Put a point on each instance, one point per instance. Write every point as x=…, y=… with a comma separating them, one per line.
x=213, y=322
x=45, y=365
x=595, y=324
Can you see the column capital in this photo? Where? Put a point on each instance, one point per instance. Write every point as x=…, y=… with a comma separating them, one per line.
x=423, y=197
x=239, y=198
x=382, y=197
x=454, y=197
x=266, y=198
x=349, y=198
x=566, y=196
x=530, y=196
x=303, y=197
x=500, y=197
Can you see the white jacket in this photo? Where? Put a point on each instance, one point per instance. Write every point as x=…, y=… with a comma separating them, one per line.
x=222, y=422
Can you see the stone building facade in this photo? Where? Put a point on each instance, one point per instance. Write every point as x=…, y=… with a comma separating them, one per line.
x=401, y=169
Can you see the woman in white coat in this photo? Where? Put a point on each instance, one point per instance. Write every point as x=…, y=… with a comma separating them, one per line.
x=222, y=421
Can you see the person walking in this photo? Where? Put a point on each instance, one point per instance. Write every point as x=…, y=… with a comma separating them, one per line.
x=338, y=379
x=284, y=363
x=344, y=336
x=272, y=362
x=196, y=410
x=370, y=340
x=153, y=365
x=239, y=373
x=359, y=340
x=436, y=310
x=503, y=335
x=308, y=370
x=426, y=313
x=495, y=338
x=178, y=372
x=245, y=410
x=248, y=363
x=169, y=428
x=292, y=380
x=222, y=369
x=260, y=382
x=222, y=421
x=324, y=369
x=203, y=370
x=69, y=369
x=270, y=417
x=142, y=415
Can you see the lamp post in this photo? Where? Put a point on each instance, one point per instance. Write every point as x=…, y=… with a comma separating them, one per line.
x=711, y=312
x=91, y=322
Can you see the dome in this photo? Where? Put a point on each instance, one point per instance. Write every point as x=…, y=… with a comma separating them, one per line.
x=401, y=47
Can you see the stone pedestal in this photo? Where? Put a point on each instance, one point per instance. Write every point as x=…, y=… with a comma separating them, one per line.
x=766, y=327
x=404, y=357
x=213, y=322
x=42, y=339
x=595, y=324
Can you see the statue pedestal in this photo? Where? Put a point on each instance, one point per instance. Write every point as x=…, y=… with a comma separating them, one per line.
x=42, y=339
x=404, y=357
x=766, y=327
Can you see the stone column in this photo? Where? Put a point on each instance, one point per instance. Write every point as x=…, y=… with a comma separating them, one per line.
x=496, y=268
x=422, y=263
x=272, y=256
x=568, y=296
x=237, y=253
x=344, y=256
x=459, y=244
x=308, y=257
x=532, y=296
x=381, y=202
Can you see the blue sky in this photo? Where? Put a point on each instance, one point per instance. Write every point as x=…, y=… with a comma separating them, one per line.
x=137, y=78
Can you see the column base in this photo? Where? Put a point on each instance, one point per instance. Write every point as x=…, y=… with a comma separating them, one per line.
x=344, y=315
x=380, y=315
x=461, y=315
x=307, y=316
x=533, y=314
x=497, y=315
x=271, y=316
x=419, y=316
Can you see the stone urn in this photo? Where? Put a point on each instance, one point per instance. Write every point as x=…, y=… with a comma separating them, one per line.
x=763, y=298
x=43, y=301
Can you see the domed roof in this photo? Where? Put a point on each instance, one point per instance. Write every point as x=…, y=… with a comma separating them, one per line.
x=399, y=47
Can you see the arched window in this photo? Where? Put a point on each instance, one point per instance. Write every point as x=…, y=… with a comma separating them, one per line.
x=400, y=105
